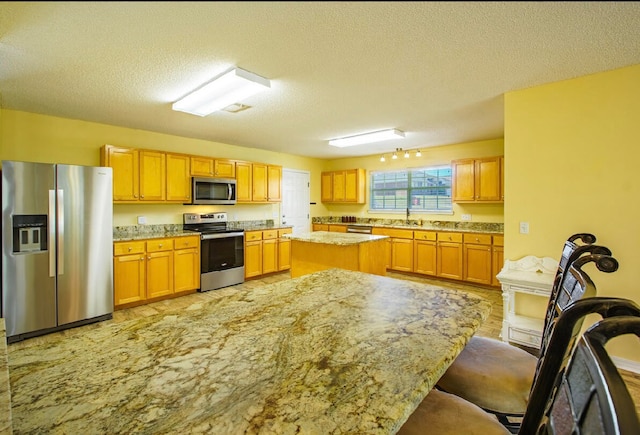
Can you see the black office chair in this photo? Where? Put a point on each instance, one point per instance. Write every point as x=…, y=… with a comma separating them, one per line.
x=444, y=413
x=498, y=376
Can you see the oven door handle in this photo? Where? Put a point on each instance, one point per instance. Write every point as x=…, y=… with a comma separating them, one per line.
x=220, y=235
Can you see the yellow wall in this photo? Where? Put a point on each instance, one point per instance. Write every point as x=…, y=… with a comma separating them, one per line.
x=570, y=166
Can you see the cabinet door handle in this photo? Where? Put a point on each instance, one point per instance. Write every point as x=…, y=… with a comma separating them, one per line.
x=130, y=248
x=141, y=258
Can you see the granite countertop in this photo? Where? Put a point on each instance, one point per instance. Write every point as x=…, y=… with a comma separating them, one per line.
x=419, y=224
x=335, y=351
x=154, y=235
x=330, y=238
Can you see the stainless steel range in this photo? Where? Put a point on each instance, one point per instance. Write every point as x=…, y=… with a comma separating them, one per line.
x=221, y=250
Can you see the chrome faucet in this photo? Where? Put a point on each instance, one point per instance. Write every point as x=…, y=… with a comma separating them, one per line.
x=407, y=215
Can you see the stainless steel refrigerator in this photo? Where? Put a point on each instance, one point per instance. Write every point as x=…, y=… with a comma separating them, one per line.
x=57, y=247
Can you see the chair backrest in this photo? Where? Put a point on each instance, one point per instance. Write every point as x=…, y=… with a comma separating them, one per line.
x=567, y=328
x=571, y=251
x=591, y=396
x=574, y=284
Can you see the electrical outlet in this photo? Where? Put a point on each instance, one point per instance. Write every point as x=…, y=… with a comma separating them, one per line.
x=466, y=217
x=142, y=220
x=524, y=227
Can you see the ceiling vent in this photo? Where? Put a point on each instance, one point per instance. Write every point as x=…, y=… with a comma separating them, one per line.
x=236, y=107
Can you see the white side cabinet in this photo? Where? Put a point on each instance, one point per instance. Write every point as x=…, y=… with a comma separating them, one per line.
x=530, y=275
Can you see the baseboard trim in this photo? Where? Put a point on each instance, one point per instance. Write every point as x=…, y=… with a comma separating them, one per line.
x=626, y=364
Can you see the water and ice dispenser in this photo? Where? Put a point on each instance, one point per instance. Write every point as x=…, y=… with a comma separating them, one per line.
x=29, y=233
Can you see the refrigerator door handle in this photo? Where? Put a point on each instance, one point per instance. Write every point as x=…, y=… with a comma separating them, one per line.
x=52, y=233
x=60, y=225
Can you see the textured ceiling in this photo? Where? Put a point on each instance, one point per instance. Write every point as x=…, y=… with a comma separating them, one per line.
x=436, y=70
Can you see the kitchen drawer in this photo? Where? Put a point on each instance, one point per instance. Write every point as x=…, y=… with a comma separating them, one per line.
x=393, y=233
x=125, y=248
x=159, y=245
x=269, y=234
x=425, y=235
x=477, y=239
x=284, y=231
x=250, y=236
x=186, y=242
x=444, y=236
x=498, y=240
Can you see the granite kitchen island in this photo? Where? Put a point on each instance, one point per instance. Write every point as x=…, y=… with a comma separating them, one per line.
x=330, y=352
x=321, y=250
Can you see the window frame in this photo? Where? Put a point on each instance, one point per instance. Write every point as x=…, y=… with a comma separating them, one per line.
x=407, y=174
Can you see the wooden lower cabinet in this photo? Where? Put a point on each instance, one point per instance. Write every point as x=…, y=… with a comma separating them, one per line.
x=400, y=248
x=266, y=251
x=497, y=259
x=425, y=252
x=477, y=258
x=186, y=264
x=148, y=270
x=129, y=273
x=449, y=255
x=320, y=227
x=269, y=251
x=284, y=249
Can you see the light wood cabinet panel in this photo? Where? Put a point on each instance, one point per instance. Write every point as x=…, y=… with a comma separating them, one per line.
x=326, y=187
x=269, y=256
x=129, y=278
x=478, y=180
x=244, y=182
x=337, y=228
x=159, y=273
x=343, y=186
x=201, y=166
x=186, y=272
x=354, y=189
x=320, y=227
x=402, y=255
x=126, y=171
x=284, y=250
x=477, y=263
x=259, y=184
x=449, y=255
x=152, y=176
x=224, y=168
x=178, y=177
x=425, y=252
x=274, y=183
x=497, y=259
x=253, y=258
x=339, y=185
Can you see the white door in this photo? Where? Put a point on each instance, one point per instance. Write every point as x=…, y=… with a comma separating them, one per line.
x=295, y=200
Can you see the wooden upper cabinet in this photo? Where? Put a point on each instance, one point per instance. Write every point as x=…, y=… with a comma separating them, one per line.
x=211, y=167
x=259, y=185
x=152, y=176
x=178, y=177
x=478, y=180
x=274, y=183
x=124, y=163
x=244, y=183
x=343, y=186
x=224, y=168
x=201, y=166
x=326, y=188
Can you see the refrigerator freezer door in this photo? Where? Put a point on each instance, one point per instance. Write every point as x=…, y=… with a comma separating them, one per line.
x=28, y=292
x=85, y=242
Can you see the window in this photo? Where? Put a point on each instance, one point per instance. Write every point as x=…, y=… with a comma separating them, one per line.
x=422, y=189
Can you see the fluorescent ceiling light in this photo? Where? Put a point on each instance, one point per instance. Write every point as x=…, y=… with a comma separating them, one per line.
x=375, y=136
x=229, y=88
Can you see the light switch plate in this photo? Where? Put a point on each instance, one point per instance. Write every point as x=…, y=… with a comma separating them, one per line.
x=524, y=227
x=466, y=217
x=142, y=220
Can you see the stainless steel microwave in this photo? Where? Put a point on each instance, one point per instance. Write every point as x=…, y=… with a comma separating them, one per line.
x=213, y=190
